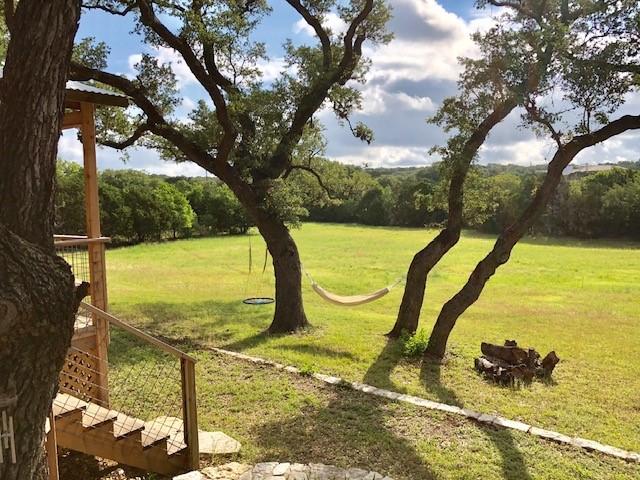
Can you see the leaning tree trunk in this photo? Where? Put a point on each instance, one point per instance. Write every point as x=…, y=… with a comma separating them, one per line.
x=427, y=258
x=501, y=251
x=421, y=265
x=289, y=315
x=37, y=293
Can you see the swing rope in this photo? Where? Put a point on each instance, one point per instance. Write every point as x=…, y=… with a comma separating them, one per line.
x=256, y=300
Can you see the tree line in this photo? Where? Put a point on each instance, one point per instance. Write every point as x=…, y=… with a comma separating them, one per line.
x=137, y=207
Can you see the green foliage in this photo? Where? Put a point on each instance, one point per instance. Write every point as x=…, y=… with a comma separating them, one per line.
x=135, y=206
x=216, y=208
x=269, y=119
x=69, y=215
x=414, y=345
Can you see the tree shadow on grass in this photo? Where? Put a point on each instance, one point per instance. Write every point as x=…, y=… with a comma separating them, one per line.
x=513, y=465
x=379, y=375
x=348, y=431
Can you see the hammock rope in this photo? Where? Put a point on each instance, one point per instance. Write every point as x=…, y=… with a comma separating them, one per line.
x=350, y=300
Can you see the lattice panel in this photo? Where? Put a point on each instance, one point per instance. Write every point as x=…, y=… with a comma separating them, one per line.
x=79, y=376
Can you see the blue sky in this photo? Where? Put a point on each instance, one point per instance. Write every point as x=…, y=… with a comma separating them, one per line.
x=408, y=81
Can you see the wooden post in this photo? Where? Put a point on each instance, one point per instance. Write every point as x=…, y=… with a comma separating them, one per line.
x=97, y=267
x=52, y=449
x=189, y=412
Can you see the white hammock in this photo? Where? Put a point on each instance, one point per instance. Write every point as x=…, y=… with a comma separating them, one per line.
x=350, y=300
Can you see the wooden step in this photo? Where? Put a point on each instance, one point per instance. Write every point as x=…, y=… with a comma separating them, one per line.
x=125, y=426
x=96, y=416
x=65, y=404
x=172, y=428
x=101, y=432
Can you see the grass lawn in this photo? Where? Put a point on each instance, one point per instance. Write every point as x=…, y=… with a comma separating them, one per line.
x=579, y=298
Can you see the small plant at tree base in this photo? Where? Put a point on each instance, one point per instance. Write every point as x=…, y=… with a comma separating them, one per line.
x=413, y=345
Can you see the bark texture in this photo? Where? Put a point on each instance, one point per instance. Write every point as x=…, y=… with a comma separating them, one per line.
x=289, y=314
x=427, y=258
x=31, y=100
x=37, y=294
x=503, y=246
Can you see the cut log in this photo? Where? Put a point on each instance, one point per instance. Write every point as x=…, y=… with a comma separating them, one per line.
x=509, y=364
x=548, y=364
x=511, y=355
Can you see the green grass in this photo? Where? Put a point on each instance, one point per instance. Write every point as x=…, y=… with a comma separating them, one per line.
x=578, y=298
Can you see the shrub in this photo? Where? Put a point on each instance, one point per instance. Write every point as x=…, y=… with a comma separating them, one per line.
x=414, y=345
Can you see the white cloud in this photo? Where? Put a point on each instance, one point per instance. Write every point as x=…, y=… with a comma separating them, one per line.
x=428, y=42
x=532, y=151
x=386, y=156
x=331, y=22
x=69, y=148
x=272, y=68
x=376, y=100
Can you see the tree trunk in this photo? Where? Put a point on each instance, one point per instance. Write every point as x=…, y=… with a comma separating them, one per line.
x=37, y=307
x=37, y=294
x=427, y=258
x=501, y=251
x=289, y=315
x=421, y=265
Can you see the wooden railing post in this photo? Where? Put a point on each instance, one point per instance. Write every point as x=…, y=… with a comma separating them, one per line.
x=189, y=412
x=52, y=449
x=97, y=266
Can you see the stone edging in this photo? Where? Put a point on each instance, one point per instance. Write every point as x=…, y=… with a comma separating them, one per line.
x=589, y=445
x=280, y=471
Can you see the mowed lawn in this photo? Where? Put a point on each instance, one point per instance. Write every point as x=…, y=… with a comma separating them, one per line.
x=579, y=298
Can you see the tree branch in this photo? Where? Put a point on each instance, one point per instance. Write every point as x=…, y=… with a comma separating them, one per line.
x=159, y=126
x=113, y=11
x=310, y=170
x=538, y=117
x=315, y=23
x=317, y=94
x=150, y=20
x=137, y=134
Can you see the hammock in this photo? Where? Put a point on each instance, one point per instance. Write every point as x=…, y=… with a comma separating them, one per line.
x=350, y=300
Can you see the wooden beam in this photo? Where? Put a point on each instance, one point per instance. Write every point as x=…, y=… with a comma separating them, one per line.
x=72, y=120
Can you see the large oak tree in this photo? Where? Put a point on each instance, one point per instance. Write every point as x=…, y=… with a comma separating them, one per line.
x=253, y=133
x=38, y=297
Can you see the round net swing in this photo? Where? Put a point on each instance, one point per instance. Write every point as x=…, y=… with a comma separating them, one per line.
x=257, y=299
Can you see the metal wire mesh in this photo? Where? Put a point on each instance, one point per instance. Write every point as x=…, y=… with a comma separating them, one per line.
x=142, y=390
x=77, y=256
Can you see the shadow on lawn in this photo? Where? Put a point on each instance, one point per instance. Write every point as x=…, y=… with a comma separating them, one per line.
x=351, y=430
x=379, y=374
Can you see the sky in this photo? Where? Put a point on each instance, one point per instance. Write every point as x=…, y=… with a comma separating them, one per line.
x=408, y=80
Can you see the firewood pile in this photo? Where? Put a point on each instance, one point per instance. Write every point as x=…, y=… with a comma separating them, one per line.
x=509, y=364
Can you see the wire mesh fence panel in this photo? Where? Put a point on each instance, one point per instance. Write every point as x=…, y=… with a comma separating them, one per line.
x=77, y=256
x=141, y=389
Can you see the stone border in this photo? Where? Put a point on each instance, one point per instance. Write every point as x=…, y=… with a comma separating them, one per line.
x=583, y=443
x=280, y=471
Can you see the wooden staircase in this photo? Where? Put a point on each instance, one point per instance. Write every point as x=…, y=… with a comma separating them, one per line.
x=155, y=446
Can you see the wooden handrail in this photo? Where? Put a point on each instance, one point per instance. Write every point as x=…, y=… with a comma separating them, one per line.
x=68, y=237
x=80, y=241
x=138, y=333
